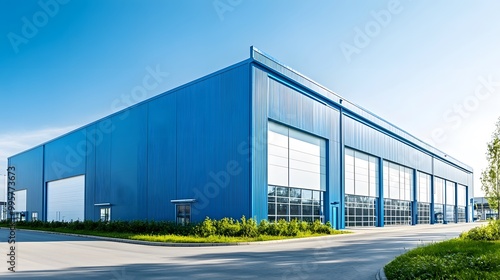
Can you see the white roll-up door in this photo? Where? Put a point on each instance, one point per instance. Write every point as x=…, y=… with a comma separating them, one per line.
x=66, y=199
x=20, y=201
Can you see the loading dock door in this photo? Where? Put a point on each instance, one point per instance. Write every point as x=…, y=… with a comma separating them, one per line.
x=65, y=199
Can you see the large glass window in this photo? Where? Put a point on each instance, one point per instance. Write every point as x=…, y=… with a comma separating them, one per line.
x=461, y=195
x=361, y=174
x=295, y=159
x=461, y=214
x=438, y=213
x=439, y=200
x=424, y=198
x=398, y=181
x=293, y=203
x=361, y=188
x=461, y=203
x=360, y=211
x=450, y=193
x=296, y=174
x=424, y=213
x=397, y=212
x=450, y=202
x=424, y=187
x=438, y=191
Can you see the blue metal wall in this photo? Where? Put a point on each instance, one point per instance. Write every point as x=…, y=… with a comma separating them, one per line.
x=29, y=175
x=296, y=101
x=207, y=140
x=276, y=98
x=362, y=137
x=186, y=143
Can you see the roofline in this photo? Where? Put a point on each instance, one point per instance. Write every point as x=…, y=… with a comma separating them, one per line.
x=340, y=102
x=225, y=69
x=333, y=97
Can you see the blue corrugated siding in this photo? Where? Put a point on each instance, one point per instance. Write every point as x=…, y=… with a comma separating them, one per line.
x=294, y=107
x=213, y=119
x=94, y=138
x=361, y=137
x=162, y=157
x=128, y=164
x=207, y=140
x=65, y=157
x=336, y=99
x=187, y=143
x=444, y=170
x=29, y=176
x=102, y=189
x=258, y=145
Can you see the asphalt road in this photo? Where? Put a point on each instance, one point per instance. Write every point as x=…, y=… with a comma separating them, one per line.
x=355, y=256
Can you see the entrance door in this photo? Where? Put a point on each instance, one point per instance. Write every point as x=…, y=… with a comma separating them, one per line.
x=334, y=217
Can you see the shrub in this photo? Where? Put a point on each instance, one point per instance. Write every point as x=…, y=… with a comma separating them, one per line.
x=489, y=232
x=224, y=227
x=263, y=227
x=293, y=228
x=248, y=228
x=206, y=228
x=228, y=227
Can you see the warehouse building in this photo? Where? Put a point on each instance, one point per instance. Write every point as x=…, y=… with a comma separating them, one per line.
x=256, y=139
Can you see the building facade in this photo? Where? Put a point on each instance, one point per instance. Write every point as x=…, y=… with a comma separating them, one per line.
x=255, y=139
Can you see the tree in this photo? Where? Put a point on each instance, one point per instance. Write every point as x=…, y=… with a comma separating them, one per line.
x=490, y=177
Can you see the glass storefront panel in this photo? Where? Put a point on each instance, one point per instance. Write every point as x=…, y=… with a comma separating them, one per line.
x=461, y=214
x=450, y=214
x=397, y=212
x=292, y=203
x=438, y=213
x=424, y=213
x=360, y=211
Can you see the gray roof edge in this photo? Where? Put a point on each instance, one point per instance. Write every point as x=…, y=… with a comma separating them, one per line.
x=256, y=55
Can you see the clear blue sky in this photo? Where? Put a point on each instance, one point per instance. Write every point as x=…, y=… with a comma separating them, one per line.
x=420, y=64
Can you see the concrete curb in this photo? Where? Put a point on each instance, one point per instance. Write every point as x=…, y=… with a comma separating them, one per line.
x=169, y=244
x=381, y=274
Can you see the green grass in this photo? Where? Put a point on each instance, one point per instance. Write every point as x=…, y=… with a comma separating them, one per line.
x=213, y=239
x=179, y=238
x=453, y=259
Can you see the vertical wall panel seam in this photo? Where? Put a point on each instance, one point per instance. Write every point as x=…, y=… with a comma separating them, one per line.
x=85, y=178
x=44, y=189
x=146, y=174
x=341, y=211
x=251, y=113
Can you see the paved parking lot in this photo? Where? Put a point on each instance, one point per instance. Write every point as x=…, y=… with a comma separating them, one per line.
x=352, y=256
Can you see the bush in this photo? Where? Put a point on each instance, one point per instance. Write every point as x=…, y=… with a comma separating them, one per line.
x=248, y=228
x=206, y=228
x=489, y=232
x=228, y=227
x=293, y=228
x=224, y=227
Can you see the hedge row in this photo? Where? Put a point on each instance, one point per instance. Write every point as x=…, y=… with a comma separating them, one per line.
x=249, y=228
x=489, y=232
x=224, y=227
